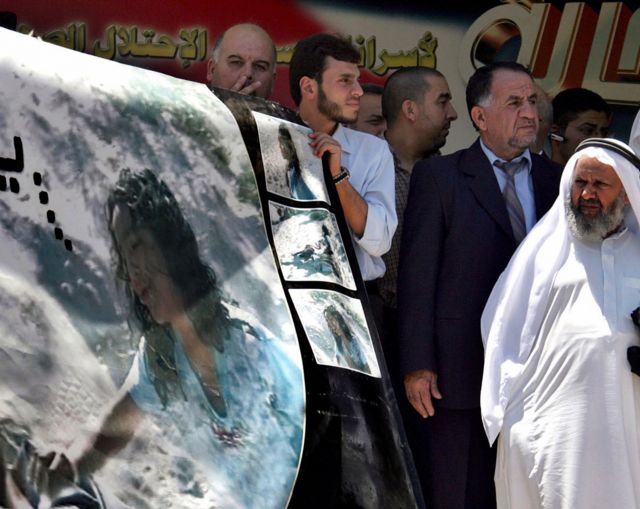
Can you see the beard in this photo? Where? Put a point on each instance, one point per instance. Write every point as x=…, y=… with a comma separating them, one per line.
x=595, y=229
x=332, y=110
x=521, y=141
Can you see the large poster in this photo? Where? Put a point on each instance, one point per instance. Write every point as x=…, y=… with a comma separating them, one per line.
x=167, y=340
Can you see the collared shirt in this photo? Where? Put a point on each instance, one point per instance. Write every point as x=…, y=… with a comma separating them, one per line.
x=388, y=283
x=523, y=182
x=370, y=163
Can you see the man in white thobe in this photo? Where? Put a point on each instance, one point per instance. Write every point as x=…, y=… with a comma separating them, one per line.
x=634, y=138
x=557, y=385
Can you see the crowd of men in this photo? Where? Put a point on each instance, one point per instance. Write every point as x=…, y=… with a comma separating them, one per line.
x=502, y=277
x=534, y=347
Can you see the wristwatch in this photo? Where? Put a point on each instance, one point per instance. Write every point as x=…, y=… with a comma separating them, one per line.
x=344, y=174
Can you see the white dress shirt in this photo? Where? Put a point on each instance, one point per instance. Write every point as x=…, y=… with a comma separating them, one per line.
x=523, y=182
x=370, y=163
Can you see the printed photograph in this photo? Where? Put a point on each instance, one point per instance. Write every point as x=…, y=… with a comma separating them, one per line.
x=291, y=170
x=337, y=330
x=309, y=245
x=148, y=354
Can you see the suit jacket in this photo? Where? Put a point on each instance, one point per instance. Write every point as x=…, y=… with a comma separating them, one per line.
x=456, y=241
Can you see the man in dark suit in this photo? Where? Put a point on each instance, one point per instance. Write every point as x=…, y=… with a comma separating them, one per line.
x=465, y=216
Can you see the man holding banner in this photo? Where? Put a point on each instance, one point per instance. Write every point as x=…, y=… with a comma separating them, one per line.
x=324, y=84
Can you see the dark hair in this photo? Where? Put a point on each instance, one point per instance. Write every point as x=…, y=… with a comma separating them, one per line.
x=479, y=86
x=287, y=147
x=372, y=88
x=568, y=104
x=408, y=83
x=309, y=59
x=153, y=207
x=334, y=318
x=8, y=20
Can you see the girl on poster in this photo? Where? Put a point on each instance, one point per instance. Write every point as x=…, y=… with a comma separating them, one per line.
x=219, y=386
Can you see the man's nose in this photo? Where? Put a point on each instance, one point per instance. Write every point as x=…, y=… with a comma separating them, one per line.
x=529, y=110
x=247, y=70
x=452, y=114
x=357, y=89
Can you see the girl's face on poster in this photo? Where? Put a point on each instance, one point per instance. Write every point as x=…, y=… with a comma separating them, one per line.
x=146, y=268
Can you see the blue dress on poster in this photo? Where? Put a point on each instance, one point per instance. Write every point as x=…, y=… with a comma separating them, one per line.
x=297, y=186
x=254, y=449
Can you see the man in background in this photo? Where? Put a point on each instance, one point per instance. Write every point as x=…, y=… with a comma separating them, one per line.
x=416, y=104
x=545, y=119
x=466, y=214
x=578, y=114
x=370, y=119
x=243, y=60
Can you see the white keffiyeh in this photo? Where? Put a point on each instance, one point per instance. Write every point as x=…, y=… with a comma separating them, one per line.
x=634, y=139
x=516, y=307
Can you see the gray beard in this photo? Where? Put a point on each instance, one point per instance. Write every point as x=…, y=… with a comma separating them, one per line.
x=598, y=228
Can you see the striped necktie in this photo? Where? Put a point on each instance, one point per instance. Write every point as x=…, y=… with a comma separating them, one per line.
x=514, y=207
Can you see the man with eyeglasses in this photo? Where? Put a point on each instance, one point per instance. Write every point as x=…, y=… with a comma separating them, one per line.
x=578, y=114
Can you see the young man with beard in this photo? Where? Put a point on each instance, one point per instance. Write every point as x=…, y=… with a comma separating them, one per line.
x=557, y=385
x=466, y=214
x=324, y=84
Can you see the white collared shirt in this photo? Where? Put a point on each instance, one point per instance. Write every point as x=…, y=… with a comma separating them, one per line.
x=523, y=182
x=370, y=163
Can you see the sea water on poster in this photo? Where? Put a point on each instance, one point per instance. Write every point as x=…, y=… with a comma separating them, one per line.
x=310, y=248
x=69, y=346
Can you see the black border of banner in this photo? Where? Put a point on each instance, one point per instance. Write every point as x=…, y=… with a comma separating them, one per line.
x=330, y=391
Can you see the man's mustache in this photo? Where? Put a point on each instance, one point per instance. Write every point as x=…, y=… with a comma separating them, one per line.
x=590, y=201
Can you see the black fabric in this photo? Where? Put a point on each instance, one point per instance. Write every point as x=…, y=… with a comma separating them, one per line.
x=450, y=449
x=456, y=240
x=633, y=354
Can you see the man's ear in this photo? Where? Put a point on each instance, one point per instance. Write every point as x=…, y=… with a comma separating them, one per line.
x=409, y=109
x=308, y=87
x=211, y=65
x=479, y=118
